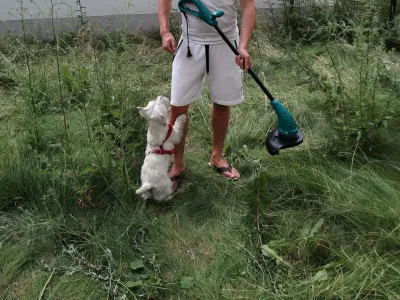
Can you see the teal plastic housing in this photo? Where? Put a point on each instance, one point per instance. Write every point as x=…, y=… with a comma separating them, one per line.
x=286, y=123
x=203, y=13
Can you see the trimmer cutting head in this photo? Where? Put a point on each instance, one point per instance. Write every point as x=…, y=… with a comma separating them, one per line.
x=288, y=135
x=276, y=142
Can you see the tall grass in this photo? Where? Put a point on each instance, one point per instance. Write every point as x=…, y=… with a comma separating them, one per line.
x=318, y=221
x=28, y=66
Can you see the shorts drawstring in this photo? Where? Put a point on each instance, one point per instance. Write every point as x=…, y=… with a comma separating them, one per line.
x=207, y=58
x=189, y=54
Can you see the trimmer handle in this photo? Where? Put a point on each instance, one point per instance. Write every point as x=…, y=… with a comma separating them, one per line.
x=203, y=13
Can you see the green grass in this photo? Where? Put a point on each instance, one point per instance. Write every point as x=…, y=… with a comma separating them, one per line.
x=328, y=209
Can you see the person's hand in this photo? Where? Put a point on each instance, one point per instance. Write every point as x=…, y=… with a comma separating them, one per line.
x=168, y=42
x=243, y=60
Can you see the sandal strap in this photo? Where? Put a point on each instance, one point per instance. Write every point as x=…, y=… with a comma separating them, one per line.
x=224, y=169
x=177, y=177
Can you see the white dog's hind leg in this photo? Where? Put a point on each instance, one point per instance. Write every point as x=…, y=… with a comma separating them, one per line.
x=163, y=193
x=146, y=186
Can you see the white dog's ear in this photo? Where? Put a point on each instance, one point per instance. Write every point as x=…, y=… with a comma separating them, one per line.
x=144, y=112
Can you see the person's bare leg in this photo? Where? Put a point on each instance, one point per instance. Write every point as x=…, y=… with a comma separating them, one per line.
x=179, y=164
x=220, y=122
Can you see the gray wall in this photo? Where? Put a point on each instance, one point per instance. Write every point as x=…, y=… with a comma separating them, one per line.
x=41, y=8
x=66, y=8
x=102, y=14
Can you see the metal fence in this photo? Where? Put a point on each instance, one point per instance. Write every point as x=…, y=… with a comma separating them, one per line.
x=386, y=10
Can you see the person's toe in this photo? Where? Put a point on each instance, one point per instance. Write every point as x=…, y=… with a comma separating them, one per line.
x=234, y=174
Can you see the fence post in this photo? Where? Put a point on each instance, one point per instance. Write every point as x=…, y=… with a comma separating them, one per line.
x=392, y=11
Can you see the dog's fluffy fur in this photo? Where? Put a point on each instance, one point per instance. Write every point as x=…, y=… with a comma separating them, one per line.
x=154, y=174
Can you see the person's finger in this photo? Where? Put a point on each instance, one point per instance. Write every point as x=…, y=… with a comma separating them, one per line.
x=165, y=45
x=237, y=59
x=247, y=62
x=168, y=47
x=173, y=44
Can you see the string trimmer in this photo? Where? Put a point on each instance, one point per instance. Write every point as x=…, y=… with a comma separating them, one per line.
x=287, y=135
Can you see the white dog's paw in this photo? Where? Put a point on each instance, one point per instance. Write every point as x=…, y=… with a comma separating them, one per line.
x=181, y=119
x=145, y=196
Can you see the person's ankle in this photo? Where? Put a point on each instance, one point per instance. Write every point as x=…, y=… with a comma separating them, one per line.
x=216, y=157
x=177, y=168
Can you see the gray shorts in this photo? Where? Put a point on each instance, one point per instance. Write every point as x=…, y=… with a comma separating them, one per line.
x=217, y=63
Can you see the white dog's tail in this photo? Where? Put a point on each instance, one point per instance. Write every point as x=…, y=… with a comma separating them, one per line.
x=144, y=188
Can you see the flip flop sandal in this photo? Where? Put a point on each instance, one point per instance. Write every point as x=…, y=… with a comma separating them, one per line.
x=222, y=170
x=178, y=179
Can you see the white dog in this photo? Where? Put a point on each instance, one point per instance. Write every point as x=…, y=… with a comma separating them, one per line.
x=161, y=141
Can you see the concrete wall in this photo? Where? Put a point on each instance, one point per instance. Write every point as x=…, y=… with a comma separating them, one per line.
x=103, y=14
x=41, y=8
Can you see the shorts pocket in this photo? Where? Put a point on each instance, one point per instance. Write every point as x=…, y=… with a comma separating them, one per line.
x=177, y=49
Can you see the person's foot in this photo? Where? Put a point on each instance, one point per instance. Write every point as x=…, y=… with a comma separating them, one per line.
x=221, y=166
x=175, y=174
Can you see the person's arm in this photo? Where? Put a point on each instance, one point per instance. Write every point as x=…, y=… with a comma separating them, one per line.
x=246, y=31
x=164, y=11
